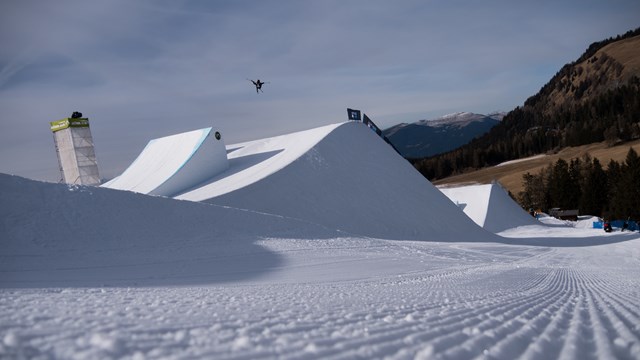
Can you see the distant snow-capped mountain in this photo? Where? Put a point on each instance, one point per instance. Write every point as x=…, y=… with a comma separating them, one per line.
x=430, y=137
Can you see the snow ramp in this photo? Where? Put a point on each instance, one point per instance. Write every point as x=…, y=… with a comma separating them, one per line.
x=343, y=177
x=170, y=164
x=489, y=206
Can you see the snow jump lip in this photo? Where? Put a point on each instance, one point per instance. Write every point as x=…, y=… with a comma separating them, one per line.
x=170, y=164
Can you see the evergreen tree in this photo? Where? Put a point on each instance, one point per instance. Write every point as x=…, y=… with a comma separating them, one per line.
x=627, y=196
x=614, y=176
x=576, y=178
x=535, y=194
x=593, y=199
x=561, y=186
x=585, y=185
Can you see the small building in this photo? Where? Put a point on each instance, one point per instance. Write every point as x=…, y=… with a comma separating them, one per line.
x=564, y=214
x=75, y=151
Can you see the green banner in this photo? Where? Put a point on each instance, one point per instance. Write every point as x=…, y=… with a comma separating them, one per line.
x=69, y=122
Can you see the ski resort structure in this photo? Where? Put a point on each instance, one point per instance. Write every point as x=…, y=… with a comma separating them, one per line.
x=75, y=150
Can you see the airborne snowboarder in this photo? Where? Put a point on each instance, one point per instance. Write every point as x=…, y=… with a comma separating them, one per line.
x=258, y=84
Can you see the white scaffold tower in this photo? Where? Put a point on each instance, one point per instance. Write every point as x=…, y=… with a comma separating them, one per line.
x=74, y=147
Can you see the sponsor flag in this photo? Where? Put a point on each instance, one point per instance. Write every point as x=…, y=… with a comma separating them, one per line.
x=353, y=114
x=371, y=125
x=366, y=120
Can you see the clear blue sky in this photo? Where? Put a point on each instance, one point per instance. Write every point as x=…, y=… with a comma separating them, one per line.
x=144, y=69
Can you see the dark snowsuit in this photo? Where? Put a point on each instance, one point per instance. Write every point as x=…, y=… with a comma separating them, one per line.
x=258, y=85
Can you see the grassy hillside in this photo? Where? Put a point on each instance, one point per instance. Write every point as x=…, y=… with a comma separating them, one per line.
x=510, y=174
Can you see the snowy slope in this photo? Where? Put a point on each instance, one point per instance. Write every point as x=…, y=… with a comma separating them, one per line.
x=54, y=234
x=95, y=273
x=489, y=206
x=437, y=301
x=273, y=287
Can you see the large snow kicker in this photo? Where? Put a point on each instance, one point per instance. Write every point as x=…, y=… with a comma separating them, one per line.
x=170, y=164
x=489, y=206
x=340, y=176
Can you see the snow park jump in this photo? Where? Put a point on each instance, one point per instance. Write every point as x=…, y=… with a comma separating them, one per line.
x=317, y=244
x=283, y=174
x=173, y=163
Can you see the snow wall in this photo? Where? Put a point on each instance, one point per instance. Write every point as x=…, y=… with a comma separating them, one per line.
x=173, y=163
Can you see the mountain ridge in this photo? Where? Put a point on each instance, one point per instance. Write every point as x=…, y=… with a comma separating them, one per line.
x=433, y=136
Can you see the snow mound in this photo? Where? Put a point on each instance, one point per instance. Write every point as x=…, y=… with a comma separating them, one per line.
x=55, y=235
x=489, y=206
x=349, y=179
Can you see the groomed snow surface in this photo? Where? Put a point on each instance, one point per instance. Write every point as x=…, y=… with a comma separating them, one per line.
x=332, y=247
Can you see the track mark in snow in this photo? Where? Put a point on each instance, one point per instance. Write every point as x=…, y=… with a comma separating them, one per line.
x=434, y=301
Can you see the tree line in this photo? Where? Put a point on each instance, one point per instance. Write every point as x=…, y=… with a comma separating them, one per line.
x=583, y=184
